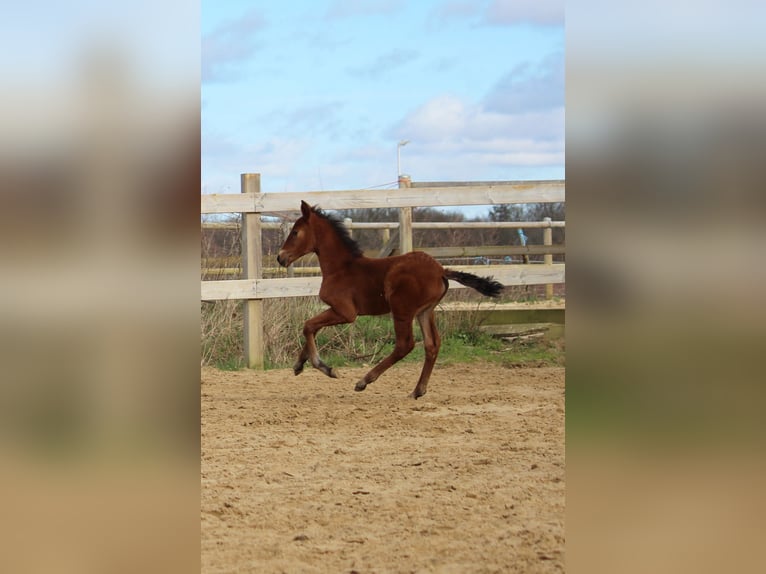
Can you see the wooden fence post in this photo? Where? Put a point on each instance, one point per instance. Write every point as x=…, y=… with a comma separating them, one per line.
x=405, y=220
x=548, y=257
x=252, y=268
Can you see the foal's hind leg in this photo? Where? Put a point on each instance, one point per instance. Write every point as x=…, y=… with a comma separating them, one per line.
x=309, y=352
x=431, y=343
x=404, y=344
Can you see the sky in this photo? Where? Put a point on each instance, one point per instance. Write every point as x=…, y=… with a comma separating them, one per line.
x=315, y=95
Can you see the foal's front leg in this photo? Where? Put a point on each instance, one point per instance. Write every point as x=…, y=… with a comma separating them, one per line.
x=405, y=342
x=310, y=328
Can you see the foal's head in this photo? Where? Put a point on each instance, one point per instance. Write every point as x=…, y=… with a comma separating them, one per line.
x=314, y=230
x=301, y=239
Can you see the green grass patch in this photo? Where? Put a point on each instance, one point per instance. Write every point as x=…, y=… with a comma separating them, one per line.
x=457, y=347
x=542, y=352
x=230, y=363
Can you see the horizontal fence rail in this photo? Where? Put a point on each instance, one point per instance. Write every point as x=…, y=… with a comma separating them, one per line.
x=415, y=225
x=510, y=192
x=306, y=286
x=253, y=205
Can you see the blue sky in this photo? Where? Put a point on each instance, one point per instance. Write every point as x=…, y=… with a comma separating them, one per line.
x=315, y=95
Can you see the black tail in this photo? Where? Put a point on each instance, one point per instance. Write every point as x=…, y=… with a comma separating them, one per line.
x=484, y=285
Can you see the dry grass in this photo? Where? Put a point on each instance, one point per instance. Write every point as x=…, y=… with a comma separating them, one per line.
x=366, y=340
x=222, y=333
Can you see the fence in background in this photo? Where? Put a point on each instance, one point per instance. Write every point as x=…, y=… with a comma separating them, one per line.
x=252, y=204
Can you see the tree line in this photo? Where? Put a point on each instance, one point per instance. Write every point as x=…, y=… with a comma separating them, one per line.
x=226, y=242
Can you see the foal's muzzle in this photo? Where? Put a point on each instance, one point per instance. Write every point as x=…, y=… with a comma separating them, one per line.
x=282, y=259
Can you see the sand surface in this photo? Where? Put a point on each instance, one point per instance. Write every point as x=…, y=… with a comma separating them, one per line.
x=302, y=474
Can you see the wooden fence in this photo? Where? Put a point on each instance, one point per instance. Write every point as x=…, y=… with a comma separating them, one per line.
x=252, y=204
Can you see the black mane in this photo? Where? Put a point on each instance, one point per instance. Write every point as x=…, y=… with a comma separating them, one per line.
x=341, y=230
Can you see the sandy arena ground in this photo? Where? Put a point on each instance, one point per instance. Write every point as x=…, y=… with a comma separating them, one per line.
x=302, y=474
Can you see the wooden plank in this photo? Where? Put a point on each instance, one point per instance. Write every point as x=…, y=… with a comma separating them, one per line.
x=405, y=230
x=228, y=203
x=479, y=194
x=220, y=225
x=520, y=329
x=467, y=183
x=499, y=250
x=486, y=224
x=227, y=289
x=389, y=247
x=548, y=258
x=252, y=244
x=415, y=225
x=527, y=192
x=374, y=225
x=281, y=273
x=516, y=274
x=491, y=313
x=405, y=218
x=289, y=287
x=260, y=288
x=526, y=330
x=252, y=250
x=490, y=305
x=309, y=286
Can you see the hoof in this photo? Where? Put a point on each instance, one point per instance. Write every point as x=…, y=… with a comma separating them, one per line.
x=415, y=395
x=298, y=368
x=329, y=371
x=360, y=386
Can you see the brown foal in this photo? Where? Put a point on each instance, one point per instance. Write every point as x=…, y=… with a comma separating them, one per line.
x=407, y=286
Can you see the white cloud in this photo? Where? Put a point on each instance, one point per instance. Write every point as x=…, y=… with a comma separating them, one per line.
x=441, y=118
x=448, y=118
x=448, y=132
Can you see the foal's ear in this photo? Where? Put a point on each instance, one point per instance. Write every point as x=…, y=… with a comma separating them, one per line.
x=305, y=209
